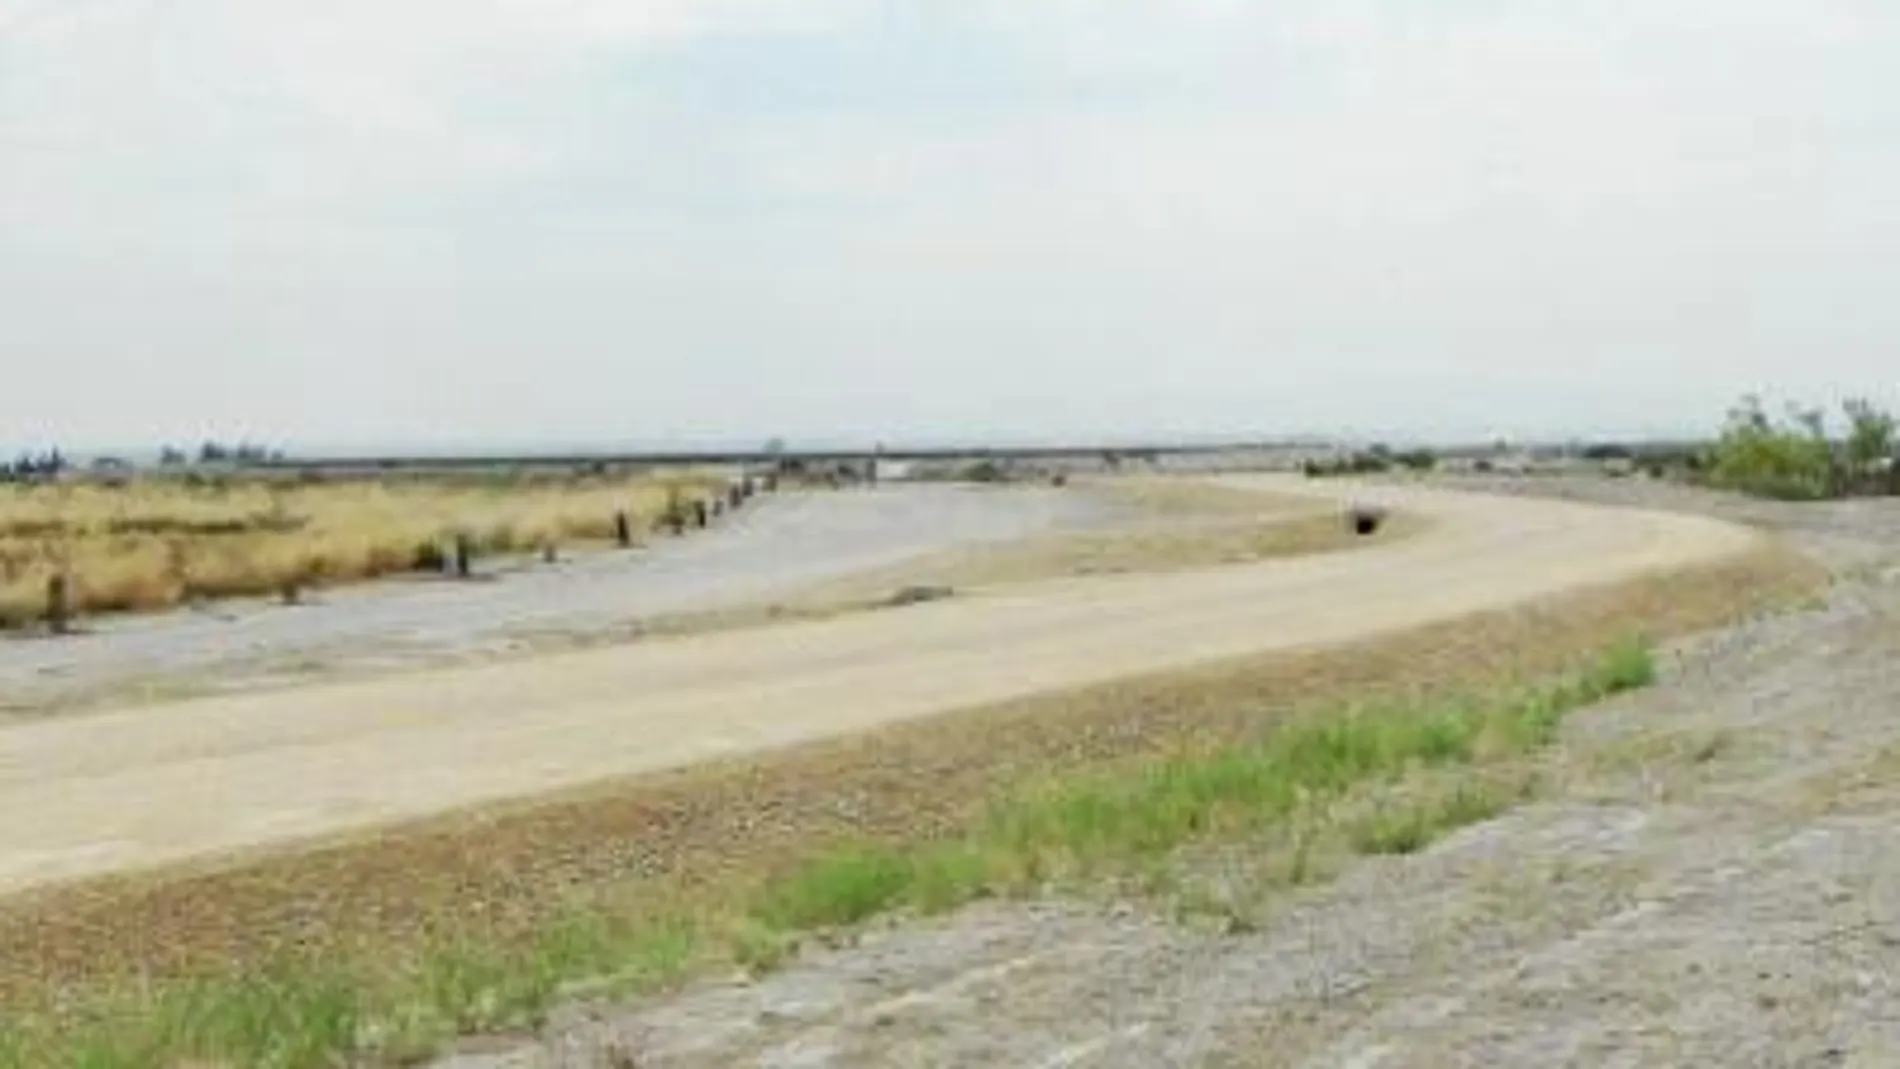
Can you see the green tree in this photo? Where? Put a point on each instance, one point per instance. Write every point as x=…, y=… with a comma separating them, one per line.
x=1870, y=440
x=1759, y=456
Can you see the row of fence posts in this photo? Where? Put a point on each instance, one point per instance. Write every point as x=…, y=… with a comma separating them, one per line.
x=461, y=559
x=679, y=516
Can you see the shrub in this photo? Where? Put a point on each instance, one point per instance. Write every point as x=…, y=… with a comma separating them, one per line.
x=1759, y=456
x=1797, y=459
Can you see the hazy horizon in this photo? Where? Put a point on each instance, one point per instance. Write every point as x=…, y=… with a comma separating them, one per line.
x=526, y=449
x=393, y=226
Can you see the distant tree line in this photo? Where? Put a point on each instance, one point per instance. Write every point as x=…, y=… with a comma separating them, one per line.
x=29, y=467
x=53, y=463
x=1373, y=460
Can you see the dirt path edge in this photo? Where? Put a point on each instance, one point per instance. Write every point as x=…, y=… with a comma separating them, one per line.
x=499, y=871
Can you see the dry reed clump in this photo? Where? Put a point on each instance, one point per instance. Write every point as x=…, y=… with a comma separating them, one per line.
x=155, y=544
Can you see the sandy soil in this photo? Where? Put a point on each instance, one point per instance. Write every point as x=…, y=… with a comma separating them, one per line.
x=1216, y=532
x=1711, y=878
x=164, y=783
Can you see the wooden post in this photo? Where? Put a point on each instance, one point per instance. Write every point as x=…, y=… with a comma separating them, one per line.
x=549, y=554
x=734, y=498
x=623, y=529
x=429, y=557
x=771, y=482
x=59, y=607
x=699, y=513
x=464, y=554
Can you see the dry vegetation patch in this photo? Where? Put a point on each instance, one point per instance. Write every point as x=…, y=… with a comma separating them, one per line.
x=156, y=543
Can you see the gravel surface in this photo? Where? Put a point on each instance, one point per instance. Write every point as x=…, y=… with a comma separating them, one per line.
x=1844, y=533
x=1713, y=879
x=774, y=545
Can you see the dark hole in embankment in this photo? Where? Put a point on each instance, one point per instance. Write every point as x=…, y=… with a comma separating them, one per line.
x=1365, y=521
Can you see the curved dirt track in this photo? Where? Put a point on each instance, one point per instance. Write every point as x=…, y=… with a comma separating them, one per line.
x=164, y=783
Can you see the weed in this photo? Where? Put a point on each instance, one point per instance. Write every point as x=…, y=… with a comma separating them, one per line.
x=759, y=949
x=1126, y=815
x=1410, y=829
x=840, y=889
x=1123, y=819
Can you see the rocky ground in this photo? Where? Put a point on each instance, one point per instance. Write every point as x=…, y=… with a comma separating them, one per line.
x=1711, y=877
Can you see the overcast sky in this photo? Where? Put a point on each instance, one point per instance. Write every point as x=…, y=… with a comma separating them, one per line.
x=412, y=221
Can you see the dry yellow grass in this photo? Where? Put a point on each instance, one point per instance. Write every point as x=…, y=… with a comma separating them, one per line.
x=154, y=544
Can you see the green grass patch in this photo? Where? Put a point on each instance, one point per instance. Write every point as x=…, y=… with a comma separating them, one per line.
x=1127, y=818
x=844, y=888
x=1409, y=829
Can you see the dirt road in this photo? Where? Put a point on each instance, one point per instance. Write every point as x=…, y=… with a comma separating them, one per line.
x=162, y=783
x=1712, y=879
